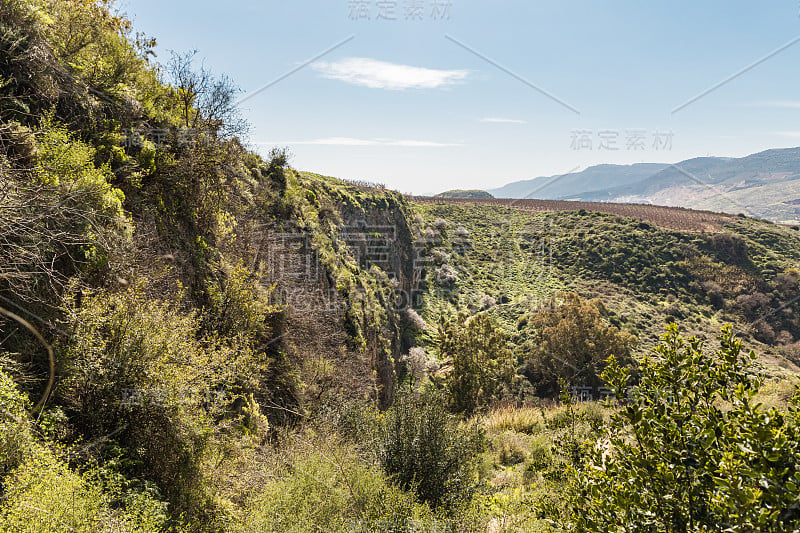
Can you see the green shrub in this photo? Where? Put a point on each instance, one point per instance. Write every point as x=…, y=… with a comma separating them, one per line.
x=571, y=339
x=327, y=487
x=561, y=418
x=44, y=496
x=540, y=456
x=15, y=431
x=358, y=422
x=240, y=305
x=68, y=161
x=690, y=449
x=425, y=449
x=61, y=218
x=482, y=362
x=592, y=414
x=135, y=368
x=509, y=511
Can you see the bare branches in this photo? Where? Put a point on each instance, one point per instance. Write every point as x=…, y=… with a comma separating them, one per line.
x=45, y=234
x=206, y=102
x=30, y=327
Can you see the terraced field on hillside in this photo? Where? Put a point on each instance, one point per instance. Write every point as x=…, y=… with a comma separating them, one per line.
x=676, y=218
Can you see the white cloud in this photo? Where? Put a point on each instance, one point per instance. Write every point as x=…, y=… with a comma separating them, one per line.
x=350, y=141
x=497, y=120
x=792, y=134
x=382, y=75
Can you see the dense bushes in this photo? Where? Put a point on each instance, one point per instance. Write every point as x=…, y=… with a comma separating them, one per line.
x=43, y=496
x=624, y=251
x=135, y=367
x=40, y=493
x=58, y=218
x=239, y=306
x=690, y=449
x=15, y=430
x=328, y=487
x=424, y=449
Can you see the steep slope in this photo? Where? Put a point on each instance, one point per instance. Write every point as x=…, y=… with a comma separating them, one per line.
x=166, y=296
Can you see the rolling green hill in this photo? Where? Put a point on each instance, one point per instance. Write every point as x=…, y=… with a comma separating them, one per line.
x=508, y=261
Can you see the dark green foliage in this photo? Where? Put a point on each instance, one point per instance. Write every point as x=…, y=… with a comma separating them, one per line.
x=482, y=363
x=729, y=248
x=424, y=448
x=278, y=158
x=690, y=449
x=241, y=316
x=624, y=251
x=569, y=338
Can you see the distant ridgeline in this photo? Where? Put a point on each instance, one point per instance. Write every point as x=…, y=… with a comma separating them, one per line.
x=460, y=193
x=764, y=185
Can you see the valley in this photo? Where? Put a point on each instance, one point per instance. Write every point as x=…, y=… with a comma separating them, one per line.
x=198, y=336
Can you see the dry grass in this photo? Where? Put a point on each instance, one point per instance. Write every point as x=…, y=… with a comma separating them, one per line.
x=511, y=448
x=777, y=393
x=526, y=420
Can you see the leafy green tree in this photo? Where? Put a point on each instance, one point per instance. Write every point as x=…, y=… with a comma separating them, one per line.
x=569, y=338
x=690, y=449
x=482, y=361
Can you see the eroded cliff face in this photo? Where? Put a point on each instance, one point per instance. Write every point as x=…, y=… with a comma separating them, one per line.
x=343, y=269
x=381, y=238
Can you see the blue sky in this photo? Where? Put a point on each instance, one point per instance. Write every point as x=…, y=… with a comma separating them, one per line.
x=429, y=95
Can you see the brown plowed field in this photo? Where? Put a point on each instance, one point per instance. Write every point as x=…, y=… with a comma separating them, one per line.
x=677, y=218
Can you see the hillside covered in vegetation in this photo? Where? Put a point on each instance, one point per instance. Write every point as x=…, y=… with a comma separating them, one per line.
x=196, y=338
x=459, y=193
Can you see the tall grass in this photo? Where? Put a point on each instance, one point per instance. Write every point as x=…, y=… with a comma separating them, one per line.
x=519, y=419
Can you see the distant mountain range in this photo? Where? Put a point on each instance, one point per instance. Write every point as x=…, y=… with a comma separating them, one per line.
x=764, y=185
